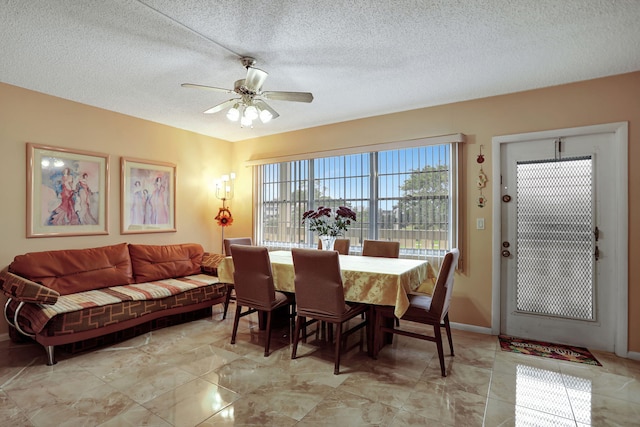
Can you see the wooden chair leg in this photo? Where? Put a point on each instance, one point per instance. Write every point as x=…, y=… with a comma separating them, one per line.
x=438, y=337
x=268, y=343
x=336, y=368
x=296, y=335
x=369, y=332
x=226, y=301
x=236, y=320
x=447, y=327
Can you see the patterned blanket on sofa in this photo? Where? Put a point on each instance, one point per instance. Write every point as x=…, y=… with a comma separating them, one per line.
x=40, y=314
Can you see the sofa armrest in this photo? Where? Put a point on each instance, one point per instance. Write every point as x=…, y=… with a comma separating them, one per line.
x=24, y=290
x=210, y=263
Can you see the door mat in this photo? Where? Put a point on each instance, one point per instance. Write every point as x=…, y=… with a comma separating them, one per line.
x=546, y=349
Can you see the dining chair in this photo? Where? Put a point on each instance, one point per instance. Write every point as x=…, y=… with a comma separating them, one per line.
x=227, y=250
x=254, y=287
x=341, y=246
x=320, y=297
x=381, y=248
x=430, y=310
x=236, y=241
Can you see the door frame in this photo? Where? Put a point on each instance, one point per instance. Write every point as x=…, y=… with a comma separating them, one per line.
x=620, y=290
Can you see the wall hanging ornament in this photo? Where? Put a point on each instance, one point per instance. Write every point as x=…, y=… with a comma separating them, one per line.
x=481, y=181
x=224, y=217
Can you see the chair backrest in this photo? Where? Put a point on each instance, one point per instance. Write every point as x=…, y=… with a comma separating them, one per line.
x=236, y=241
x=381, y=248
x=341, y=245
x=318, y=282
x=252, y=277
x=443, y=289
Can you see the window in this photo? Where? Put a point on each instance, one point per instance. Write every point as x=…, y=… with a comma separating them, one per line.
x=406, y=195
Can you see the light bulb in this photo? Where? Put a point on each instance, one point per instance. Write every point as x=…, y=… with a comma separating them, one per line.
x=233, y=114
x=245, y=122
x=265, y=116
x=251, y=112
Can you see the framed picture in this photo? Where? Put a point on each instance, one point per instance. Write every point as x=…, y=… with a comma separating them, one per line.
x=67, y=192
x=148, y=196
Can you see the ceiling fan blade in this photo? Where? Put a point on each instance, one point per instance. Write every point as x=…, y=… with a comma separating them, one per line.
x=288, y=96
x=221, y=106
x=255, y=78
x=215, y=89
x=264, y=106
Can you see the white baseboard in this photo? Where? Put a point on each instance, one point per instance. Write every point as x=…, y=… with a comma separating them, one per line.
x=4, y=337
x=633, y=355
x=471, y=328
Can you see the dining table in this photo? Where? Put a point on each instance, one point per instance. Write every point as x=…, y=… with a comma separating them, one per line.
x=369, y=280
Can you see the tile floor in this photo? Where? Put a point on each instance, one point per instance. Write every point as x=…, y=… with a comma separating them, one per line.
x=189, y=375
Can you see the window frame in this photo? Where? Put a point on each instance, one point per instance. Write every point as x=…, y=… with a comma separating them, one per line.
x=373, y=151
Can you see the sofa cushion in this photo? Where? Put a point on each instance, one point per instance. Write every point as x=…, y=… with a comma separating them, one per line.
x=210, y=263
x=25, y=290
x=76, y=270
x=158, y=262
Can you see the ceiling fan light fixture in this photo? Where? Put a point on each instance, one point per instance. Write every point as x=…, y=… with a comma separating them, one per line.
x=234, y=113
x=265, y=116
x=249, y=106
x=245, y=121
x=251, y=112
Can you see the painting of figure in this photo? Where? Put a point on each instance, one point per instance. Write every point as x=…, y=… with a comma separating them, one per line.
x=66, y=192
x=148, y=196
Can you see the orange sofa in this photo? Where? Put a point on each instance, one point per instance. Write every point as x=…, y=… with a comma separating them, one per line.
x=66, y=296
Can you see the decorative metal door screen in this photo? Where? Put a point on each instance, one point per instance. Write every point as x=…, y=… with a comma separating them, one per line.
x=555, y=238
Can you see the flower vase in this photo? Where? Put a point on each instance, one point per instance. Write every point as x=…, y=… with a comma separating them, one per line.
x=327, y=242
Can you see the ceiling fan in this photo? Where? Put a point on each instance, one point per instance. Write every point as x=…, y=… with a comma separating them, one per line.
x=250, y=105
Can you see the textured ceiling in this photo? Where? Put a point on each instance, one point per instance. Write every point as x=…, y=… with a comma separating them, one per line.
x=359, y=58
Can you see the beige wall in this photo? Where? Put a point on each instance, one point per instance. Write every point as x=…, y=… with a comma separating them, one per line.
x=606, y=100
x=27, y=116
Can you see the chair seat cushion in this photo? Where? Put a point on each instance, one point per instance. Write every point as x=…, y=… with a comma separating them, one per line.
x=282, y=299
x=350, y=310
x=420, y=301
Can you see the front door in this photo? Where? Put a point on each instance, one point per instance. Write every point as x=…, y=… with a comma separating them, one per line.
x=558, y=201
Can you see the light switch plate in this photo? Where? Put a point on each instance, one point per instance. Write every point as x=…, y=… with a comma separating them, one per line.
x=480, y=223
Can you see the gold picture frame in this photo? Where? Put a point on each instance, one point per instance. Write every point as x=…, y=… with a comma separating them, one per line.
x=67, y=192
x=147, y=196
